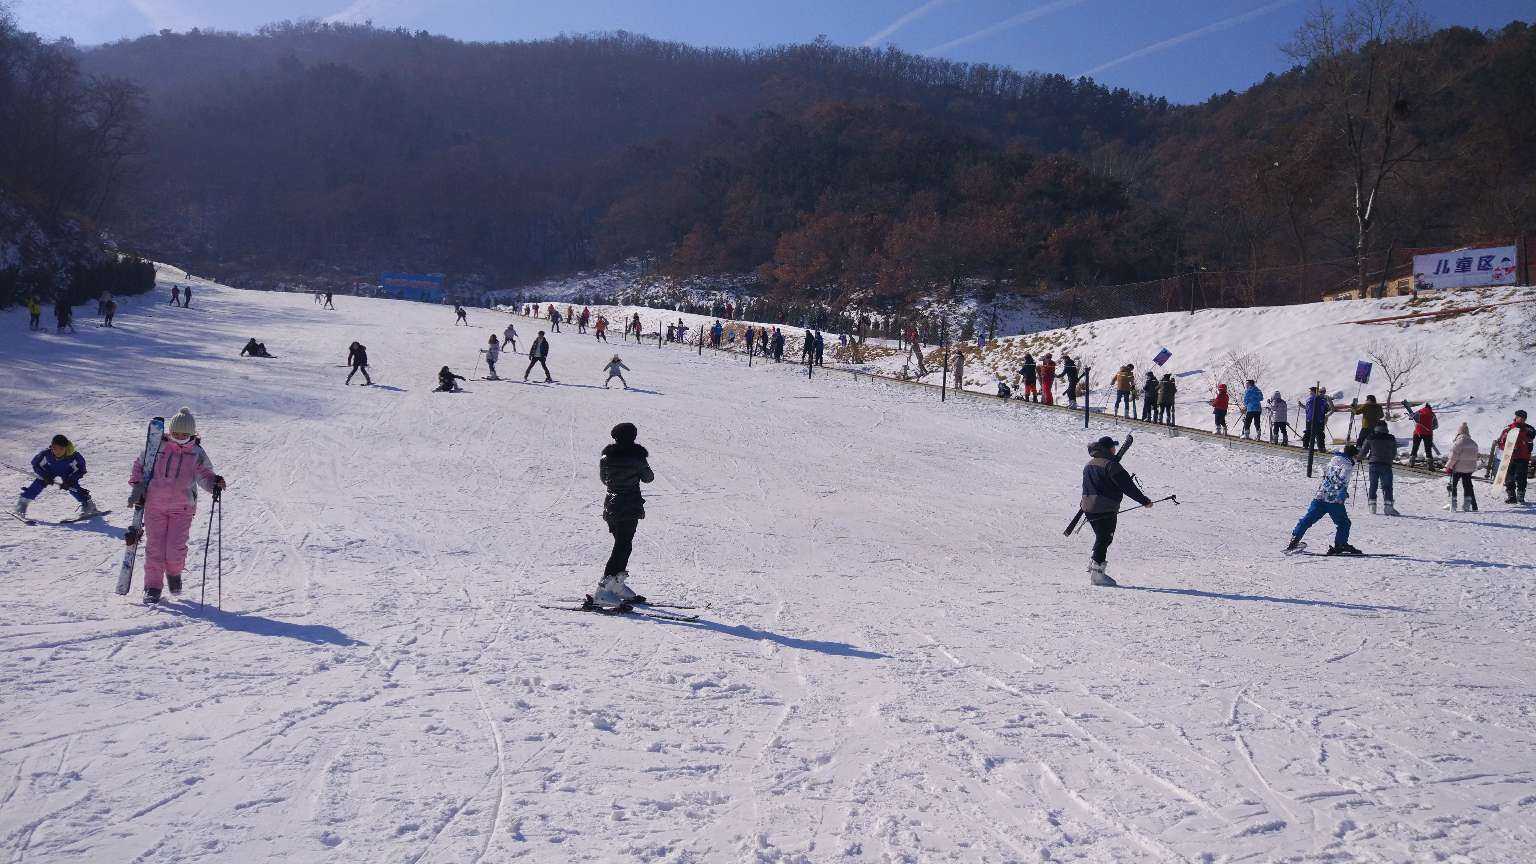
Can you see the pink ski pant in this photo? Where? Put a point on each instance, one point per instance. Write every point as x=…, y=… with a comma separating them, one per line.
x=165, y=532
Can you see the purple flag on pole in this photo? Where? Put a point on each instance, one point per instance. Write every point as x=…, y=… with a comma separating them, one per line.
x=1363, y=372
x=1162, y=356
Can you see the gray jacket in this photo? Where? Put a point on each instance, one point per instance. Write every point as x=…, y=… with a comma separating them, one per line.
x=1380, y=447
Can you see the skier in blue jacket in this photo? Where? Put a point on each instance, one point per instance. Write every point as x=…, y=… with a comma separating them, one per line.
x=1253, y=406
x=59, y=461
x=1329, y=501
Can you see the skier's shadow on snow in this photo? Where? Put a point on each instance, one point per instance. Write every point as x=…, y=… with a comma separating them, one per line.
x=836, y=649
x=1294, y=601
x=1477, y=523
x=388, y=387
x=235, y=622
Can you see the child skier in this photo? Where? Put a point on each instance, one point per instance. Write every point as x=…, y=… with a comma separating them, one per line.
x=615, y=369
x=58, y=461
x=492, y=354
x=623, y=467
x=509, y=338
x=447, y=382
x=1219, y=408
x=1329, y=501
x=170, y=502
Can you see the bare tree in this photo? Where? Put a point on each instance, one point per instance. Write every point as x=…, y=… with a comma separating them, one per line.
x=1369, y=69
x=1397, y=360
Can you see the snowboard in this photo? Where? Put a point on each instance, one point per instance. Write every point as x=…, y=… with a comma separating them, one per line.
x=152, y=440
x=1511, y=442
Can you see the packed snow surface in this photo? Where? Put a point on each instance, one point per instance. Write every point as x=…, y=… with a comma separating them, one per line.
x=898, y=656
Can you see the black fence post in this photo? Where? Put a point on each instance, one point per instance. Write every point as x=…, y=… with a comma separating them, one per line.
x=1087, y=392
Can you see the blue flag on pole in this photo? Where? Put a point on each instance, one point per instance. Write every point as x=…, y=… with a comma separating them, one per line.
x=1363, y=372
x=1162, y=356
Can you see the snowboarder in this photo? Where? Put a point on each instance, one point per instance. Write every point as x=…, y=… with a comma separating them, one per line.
x=1069, y=368
x=357, y=358
x=615, y=369
x=1219, y=409
x=1460, y=462
x=1167, y=390
x=509, y=338
x=1047, y=380
x=623, y=467
x=254, y=349
x=1253, y=406
x=1424, y=425
x=538, y=353
x=170, y=502
x=1149, y=410
x=1329, y=501
x=492, y=354
x=460, y=316
x=1279, y=427
x=447, y=382
x=1029, y=373
x=1380, y=450
x=58, y=461
x=1519, y=461
x=1105, y=485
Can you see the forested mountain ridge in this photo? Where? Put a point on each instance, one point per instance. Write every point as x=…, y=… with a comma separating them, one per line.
x=833, y=173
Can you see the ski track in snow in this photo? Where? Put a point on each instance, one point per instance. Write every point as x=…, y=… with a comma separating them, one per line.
x=898, y=657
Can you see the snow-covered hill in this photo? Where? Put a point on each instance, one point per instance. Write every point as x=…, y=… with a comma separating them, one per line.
x=898, y=657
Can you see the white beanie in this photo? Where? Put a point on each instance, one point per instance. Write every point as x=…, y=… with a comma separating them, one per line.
x=182, y=423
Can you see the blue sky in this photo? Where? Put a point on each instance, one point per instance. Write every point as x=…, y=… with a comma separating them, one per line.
x=1185, y=50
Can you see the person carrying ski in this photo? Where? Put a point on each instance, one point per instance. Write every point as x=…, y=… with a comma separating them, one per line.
x=1460, y=462
x=460, y=316
x=1253, y=406
x=61, y=462
x=509, y=337
x=254, y=349
x=1105, y=485
x=623, y=467
x=1047, y=379
x=1069, y=369
x=1029, y=373
x=1329, y=501
x=1379, y=453
x=447, y=382
x=1519, y=461
x=538, y=353
x=357, y=358
x=1167, y=391
x=1279, y=427
x=1219, y=408
x=170, y=502
x=1149, y=410
x=1123, y=381
x=1424, y=425
x=492, y=354
x=615, y=369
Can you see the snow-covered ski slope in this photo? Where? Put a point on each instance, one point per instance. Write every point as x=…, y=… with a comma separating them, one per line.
x=899, y=657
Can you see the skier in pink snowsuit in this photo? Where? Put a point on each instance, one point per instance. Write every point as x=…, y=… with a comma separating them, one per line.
x=170, y=502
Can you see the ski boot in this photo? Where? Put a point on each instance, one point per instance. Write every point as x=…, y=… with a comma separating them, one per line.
x=1389, y=510
x=21, y=507
x=627, y=593
x=88, y=509
x=1344, y=549
x=1098, y=577
x=1511, y=499
x=1372, y=505
x=173, y=582
x=609, y=590
x=1469, y=504
x=151, y=596
x=1293, y=545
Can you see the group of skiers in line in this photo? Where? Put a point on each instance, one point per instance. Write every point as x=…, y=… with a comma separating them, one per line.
x=167, y=490
x=64, y=313
x=599, y=323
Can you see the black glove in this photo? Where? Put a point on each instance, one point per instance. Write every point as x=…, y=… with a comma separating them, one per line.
x=218, y=484
x=132, y=536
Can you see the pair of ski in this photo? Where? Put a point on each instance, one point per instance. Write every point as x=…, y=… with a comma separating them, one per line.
x=644, y=610
x=152, y=441
x=1301, y=549
x=70, y=521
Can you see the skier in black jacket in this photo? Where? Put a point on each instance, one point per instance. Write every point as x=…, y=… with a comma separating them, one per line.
x=622, y=469
x=1105, y=484
x=447, y=382
x=357, y=358
x=538, y=353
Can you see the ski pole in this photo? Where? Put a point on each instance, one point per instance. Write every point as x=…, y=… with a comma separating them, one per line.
x=202, y=599
x=219, y=502
x=1173, y=498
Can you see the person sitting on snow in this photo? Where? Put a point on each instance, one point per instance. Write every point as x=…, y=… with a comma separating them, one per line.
x=447, y=382
x=254, y=349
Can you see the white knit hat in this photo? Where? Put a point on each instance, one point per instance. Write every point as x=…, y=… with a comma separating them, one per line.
x=182, y=423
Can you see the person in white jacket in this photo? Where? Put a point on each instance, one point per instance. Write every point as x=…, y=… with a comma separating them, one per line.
x=492, y=354
x=615, y=369
x=1279, y=414
x=1460, y=462
x=509, y=338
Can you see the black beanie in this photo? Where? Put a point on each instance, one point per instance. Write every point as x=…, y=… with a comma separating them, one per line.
x=60, y=441
x=625, y=433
